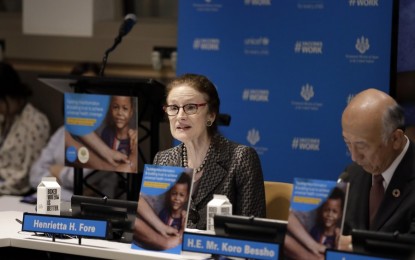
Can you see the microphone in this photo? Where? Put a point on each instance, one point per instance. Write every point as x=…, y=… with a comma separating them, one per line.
x=125, y=28
x=127, y=25
x=344, y=176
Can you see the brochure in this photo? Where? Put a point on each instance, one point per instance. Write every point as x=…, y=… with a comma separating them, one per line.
x=162, y=208
x=101, y=132
x=317, y=211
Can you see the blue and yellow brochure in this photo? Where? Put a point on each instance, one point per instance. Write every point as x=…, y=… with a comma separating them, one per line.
x=162, y=208
x=101, y=132
x=317, y=211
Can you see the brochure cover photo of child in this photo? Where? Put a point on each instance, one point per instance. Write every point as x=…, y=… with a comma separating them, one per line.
x=162, y=208
x=316, y=216
x=101, y=132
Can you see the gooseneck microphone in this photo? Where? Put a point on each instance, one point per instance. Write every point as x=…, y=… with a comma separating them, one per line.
x=344, y=177
x=125, y=28
x=127, y=25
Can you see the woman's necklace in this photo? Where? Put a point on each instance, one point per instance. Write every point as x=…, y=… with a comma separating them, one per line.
x=186, y=164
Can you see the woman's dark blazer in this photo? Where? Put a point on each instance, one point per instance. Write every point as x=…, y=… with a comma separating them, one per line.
x=231, y=169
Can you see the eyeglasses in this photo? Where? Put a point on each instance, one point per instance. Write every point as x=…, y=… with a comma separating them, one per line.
x=189, y=109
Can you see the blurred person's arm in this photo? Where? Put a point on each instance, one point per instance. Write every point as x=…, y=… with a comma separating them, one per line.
x=52, y=163
x=66, y=175
x=48, y=158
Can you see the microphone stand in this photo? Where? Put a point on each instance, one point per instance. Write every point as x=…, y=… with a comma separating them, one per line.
x=117, y=40
x=125, y=28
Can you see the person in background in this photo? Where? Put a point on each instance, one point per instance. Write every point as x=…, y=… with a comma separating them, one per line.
x=51, y=163
x=373, y=130
x=24, y=131
x=52, y=159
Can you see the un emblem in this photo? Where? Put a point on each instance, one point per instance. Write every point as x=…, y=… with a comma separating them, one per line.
x=307, y=92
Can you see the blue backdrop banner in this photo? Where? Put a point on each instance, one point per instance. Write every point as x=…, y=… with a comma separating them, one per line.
x=285, y=70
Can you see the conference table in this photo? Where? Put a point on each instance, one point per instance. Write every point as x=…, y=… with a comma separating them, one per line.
x=11, y=236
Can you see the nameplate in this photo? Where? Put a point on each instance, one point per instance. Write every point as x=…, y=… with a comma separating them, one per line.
x=211, y=244
x=64, y=225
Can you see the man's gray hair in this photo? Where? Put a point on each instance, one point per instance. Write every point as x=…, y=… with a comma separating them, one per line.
x=393, y=119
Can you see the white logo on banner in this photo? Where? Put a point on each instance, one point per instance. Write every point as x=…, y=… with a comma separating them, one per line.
x=308, y=47
x=253, y=136
x=364, y=3
x=362, y=44
x=206, y=44
x=307, y=93
x=261, y=41
x=306, y=144
x=310, y=5
x=258, y=2
x=257, y=46
x=256, y=95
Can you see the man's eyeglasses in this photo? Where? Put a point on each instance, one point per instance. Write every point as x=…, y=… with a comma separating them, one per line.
x=189, y=109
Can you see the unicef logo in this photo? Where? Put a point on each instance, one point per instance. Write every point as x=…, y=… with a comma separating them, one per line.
x=253, y=136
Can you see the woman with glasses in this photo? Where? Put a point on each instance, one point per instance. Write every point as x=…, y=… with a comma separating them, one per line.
x=219, y=165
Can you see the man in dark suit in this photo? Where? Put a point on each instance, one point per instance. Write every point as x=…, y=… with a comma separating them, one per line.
x=373, y=131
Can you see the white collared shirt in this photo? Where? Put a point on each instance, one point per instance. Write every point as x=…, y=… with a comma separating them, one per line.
x=387, y=175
